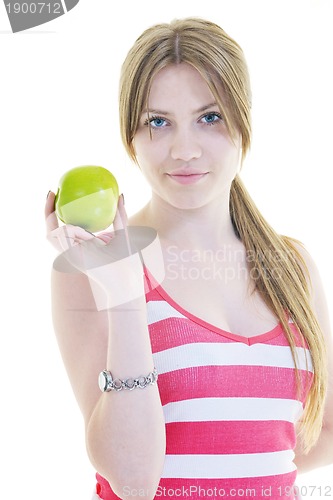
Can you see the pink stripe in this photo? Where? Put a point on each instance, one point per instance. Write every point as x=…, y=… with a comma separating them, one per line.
x=103, y=489
x=229, y=437
x=191, y=329
x=180, y=331
x=276, y=487
x=194, y=319
x=229, y=381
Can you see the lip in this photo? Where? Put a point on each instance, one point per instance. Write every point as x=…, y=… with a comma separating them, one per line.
x=188, y=177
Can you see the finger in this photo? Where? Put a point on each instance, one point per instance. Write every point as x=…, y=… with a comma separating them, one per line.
x=49, y=205
x=50, y=215
x=121, y=219
x=106, y=237
x=67, y=236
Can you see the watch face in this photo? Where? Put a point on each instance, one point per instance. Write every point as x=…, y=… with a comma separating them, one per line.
x=102, y=381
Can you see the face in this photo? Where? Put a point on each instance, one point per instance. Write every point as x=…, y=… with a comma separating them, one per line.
x=189, y=158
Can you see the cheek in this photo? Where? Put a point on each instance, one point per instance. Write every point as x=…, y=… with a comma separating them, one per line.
x=148, y=153
x=231, y=150
x=136, y=145
x=141, y=145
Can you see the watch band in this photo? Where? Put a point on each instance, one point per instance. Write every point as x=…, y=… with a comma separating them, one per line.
x=107, y=383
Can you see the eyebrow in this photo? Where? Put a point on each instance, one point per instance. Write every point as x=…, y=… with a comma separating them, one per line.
x=166, y=113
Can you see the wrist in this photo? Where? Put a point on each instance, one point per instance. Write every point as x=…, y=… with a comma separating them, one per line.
x=118, y=283
x=107, y=383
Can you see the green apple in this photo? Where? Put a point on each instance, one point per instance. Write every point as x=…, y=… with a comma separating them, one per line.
x=87, y=196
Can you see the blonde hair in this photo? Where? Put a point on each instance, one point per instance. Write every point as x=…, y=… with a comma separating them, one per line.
x=276, y=266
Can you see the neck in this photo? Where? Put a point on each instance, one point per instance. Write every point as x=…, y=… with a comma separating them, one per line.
x=209, y=226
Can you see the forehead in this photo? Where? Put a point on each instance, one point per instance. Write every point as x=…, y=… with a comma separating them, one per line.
x=179, y=84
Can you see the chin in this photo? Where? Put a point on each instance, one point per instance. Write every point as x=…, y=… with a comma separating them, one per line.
x=188, y=204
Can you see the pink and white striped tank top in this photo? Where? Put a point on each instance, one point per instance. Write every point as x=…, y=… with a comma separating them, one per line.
x=230, y=407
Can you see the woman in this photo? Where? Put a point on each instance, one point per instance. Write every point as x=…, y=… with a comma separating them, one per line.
x=237, y=332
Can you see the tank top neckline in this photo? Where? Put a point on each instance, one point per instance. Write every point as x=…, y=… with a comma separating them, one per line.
x=276, y=331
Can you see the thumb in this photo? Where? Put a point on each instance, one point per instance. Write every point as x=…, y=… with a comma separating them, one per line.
x=121, y=219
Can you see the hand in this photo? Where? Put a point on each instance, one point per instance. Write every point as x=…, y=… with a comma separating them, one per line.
x=115, y=271
x=66, y=236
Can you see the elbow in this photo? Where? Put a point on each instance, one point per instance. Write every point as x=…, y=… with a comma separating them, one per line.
x=135, y=487
x=126, y=482
x=325, y=442
x=130, y=475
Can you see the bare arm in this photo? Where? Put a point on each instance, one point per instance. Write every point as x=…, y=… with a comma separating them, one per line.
x=125, y=431
x=322, y=453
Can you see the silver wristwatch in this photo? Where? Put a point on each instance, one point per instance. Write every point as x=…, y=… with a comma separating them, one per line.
x=107, y=383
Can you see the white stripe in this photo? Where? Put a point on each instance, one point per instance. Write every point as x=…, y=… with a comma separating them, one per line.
x=232, y=409
x=228, y=466
x=159, y=310
x=235, y=353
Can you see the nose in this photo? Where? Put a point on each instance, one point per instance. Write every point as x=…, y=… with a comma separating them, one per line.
x=185, y=145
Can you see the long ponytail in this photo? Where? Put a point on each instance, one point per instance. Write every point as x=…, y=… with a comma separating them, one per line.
x=281, y=278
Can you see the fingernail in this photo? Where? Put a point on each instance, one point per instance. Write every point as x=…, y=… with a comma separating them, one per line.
x=48, y=194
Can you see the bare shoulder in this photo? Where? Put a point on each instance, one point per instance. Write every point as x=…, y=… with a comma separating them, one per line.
x=314, y=279
x=82, y=333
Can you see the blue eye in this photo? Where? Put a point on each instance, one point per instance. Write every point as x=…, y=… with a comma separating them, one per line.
x=212, y=118
x=156, y=122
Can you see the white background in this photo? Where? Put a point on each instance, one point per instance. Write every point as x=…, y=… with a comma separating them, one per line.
x=58, y=109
